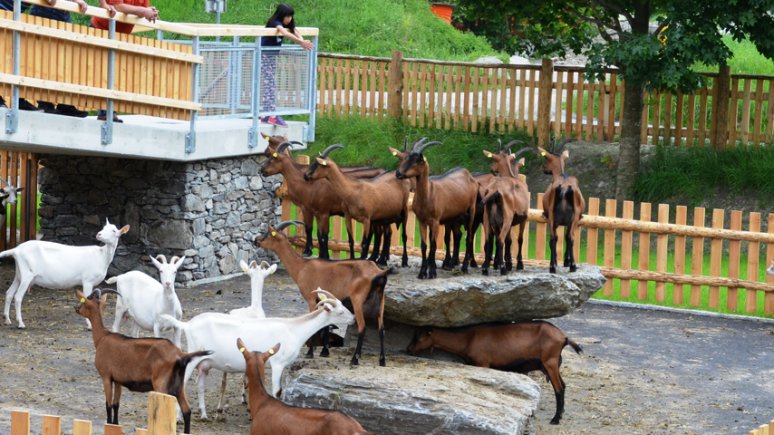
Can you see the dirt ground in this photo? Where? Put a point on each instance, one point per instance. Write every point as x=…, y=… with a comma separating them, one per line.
x=642, y=371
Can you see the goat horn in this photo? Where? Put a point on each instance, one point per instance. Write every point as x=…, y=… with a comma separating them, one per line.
x=510, y=144
x=161, y=258
x=405, y=144
x=425, y=145
x=499, y=145
x=284, y=224
x=330, y=148
x=419, y=142
x=107, y=290
x=174, y=259
x=283, y=146
x=295, y=142
x=523, y=151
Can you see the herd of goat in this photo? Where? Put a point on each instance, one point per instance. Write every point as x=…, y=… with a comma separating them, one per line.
x=338, y=292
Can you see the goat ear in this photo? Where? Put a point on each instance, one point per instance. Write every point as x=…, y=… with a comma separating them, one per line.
x=272, y=269
x=565, y=154
x=542, y=151
x=125, y=229
x=488, y=154
x=393, y=151
x=321, y=161
x=521, y=162
x=244, y=266
x=241, y=345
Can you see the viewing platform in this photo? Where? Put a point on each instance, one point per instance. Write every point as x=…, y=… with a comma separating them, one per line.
x=195, y=92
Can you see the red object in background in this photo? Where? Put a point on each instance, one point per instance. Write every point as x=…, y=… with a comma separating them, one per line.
x=443, y=11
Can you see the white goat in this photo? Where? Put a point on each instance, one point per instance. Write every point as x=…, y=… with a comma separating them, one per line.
x=8, y=195
x=770, y=270
x=57, y=266
x=258, y=275
x=216, y=331
x=144, y=298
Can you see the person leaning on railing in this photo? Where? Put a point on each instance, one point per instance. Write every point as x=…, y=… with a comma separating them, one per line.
x=141, y=8
x=58, y=15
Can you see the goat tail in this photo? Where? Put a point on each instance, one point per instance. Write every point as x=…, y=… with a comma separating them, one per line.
x=575, y=346
x=186, y=358
x=492, y=196
x=8, y=253
x=112, y=280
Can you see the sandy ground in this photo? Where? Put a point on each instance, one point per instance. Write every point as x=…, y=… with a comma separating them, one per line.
x=642, y=371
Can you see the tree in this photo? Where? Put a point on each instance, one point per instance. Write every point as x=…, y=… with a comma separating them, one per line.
x=652, y=43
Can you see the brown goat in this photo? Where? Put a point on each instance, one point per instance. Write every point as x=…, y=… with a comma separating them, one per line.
x=139, y=364
x=563, y=205
x=272, y=417
x=382, y=199
x=513, y=347
x=360, y=281
x=439, y=199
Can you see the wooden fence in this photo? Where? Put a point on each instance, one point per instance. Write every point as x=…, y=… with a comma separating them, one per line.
x=162, y=420
x=21, y=170
x=764, y=429
x=539, y=99
x=657, y=258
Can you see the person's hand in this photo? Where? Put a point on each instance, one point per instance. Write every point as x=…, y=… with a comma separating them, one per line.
x=111, y=10
x=82, y=5
x=51, y=2
x=150, y=13
x=306, y=45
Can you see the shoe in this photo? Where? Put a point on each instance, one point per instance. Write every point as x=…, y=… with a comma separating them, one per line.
x=278, y=121
x=46, y=106
x=102, y=116
x=26, y=105
x=264, y=119
x=70, y=110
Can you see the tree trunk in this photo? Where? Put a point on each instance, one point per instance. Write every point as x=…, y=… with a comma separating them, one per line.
x=629, y=148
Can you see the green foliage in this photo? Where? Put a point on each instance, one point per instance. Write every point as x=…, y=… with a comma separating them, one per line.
x=366, y=142
x=693, y=174
x=366, y=27
x=746, y=59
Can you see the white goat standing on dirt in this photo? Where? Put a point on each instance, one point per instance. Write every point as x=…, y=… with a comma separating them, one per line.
x=257, y=274
x=144, y=299
x=57, y=266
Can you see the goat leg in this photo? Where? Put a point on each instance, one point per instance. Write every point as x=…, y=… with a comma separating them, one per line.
x=382, y=359
x=569, y=242
x=552, y=245
x=309, y=230
x=447, y=259
x=423, y=267
x=431, y=273
x=487, y=256
x=325, y=333
x=358, y=349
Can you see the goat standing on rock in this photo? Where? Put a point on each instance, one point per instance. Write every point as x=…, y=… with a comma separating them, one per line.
x=512, y=347
x=563, y=205
x=53, y=265
x=139, y=364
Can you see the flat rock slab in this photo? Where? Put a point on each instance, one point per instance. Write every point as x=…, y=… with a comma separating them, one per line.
x=454, y=299
x=414, y=395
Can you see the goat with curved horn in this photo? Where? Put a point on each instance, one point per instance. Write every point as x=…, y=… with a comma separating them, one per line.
x=283, y=146
x=510, y=144
x=422, y=147
x=330, y=149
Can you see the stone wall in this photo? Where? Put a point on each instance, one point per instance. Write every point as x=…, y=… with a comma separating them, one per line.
x=208, y=211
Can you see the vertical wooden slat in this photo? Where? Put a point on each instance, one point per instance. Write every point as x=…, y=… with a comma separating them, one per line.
x=716, y=254
x=346, y=89
x=734, y=255
x=678, y=135
x=530, y=88
x=689, y=134
x=502, y=93
x=448, y=106
x=579, y=107
x=609, y=246
x=486, y=118
x=644, y=121
x=626, y=248
x=702, y=121
x=540, y=232
x=768, y=299
x=613, y=91
x=81, y=427
x=592, y=87
x=697, y=253
x=667, y=118
x=680, y=219
x=459, y=105
x=753, y=260
x=558, y=106
x=13, y=209
x=733, y=112
x=746, y=103
x=758, y=119
x=433, y=90
x=20, y=423
x=644, y=254
x=322, y=71
x=769, y=136
x=662, y=244
x=592, y=234
x=475, y=115
x=51, y=425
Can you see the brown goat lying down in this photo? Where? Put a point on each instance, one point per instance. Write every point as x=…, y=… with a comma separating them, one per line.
x=139, y=364
x=272, y=417
x=513, y=347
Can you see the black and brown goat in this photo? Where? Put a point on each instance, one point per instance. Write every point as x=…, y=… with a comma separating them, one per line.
x=316, y=200
x=360, y=281
x=446, y=198
x=139, y=364
x=505, y=201
x=380, y=200
x=272, y=417
x=513, y=347
x=563, y=204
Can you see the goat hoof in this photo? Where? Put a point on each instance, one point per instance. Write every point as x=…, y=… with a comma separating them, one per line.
x=485, y=272
x=382, y=362
x=552, y=269
x=554, y=421
x=325, y=353
x=504, y=271
x=519, y=266
x=354, y=362
x=573, y=268
x=21, y=326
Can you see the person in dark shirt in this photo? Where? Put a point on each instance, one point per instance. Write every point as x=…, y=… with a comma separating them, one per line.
x=283, y=21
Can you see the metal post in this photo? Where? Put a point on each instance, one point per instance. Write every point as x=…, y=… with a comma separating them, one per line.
x=235, y=82
x=12, y=117
x=107, y=127
x=252, y=135
x=190, y=138
x=312, y=91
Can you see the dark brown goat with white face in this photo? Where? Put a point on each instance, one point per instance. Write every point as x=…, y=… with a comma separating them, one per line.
x=270, y=416
x=382, y=199
x=316, y=200
x=449, y=197
x=513, y=347
x=360, y=281
x=563, y=205
x=139, y=364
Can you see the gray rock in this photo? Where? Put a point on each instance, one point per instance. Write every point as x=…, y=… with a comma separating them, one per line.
x=436, y=397
x=461, y=300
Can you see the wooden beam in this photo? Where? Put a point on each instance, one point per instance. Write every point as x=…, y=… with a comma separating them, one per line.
x=98, y=92
x=204, y=29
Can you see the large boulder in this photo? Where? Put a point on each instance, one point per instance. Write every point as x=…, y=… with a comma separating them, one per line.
x=459, y=300
x=414, y=395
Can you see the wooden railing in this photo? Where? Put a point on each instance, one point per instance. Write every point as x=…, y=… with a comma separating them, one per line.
x=501, y=98
x=621, y=244
x=162, y=420
x=764, y=429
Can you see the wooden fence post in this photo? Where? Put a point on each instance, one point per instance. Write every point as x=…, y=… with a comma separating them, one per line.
x=545, y=88
x=162, y=414
x=720, y=105
x=395, y=93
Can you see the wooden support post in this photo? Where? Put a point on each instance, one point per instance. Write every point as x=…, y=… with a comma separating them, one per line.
x=162, y=417
x=20, y=423
x=545, y=88
x=51, y=425
x=395, y=92
x=720, y=105
x=81, y=427
x=113, y=429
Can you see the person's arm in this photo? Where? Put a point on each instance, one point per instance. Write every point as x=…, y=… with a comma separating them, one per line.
x=110, y=9
x=82, y=5
x=150, y=13
x=307, y=45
